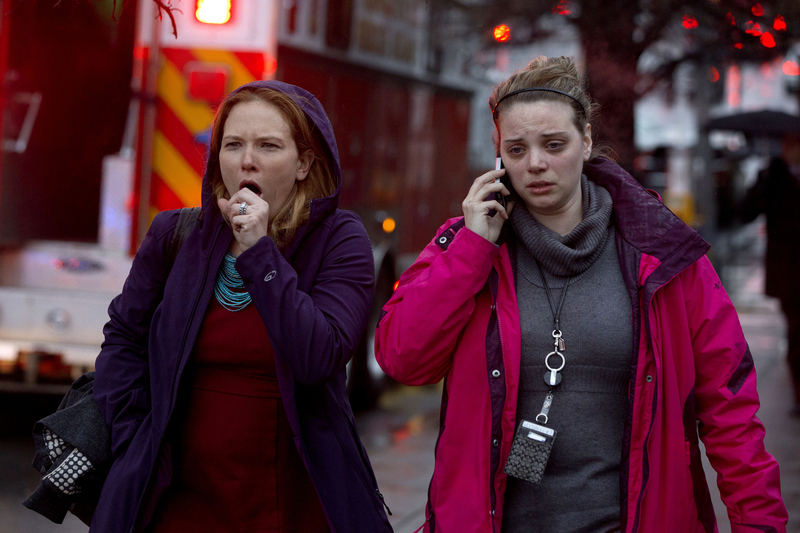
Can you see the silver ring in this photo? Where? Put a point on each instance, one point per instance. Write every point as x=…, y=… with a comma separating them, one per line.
x=547, y=361
x=242, y=208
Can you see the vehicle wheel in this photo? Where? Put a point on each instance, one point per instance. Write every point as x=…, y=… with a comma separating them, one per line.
x=365, y=378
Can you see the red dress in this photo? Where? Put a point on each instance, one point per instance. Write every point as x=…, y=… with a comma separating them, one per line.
x=236, y=467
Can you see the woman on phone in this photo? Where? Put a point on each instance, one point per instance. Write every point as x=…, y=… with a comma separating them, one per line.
x=583, y=338
x=222, y=376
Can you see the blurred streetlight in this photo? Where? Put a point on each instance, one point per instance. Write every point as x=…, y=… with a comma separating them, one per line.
x=388, y=225
x=791, y=68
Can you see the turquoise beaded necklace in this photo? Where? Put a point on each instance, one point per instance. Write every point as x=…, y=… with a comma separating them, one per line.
x=230, y=289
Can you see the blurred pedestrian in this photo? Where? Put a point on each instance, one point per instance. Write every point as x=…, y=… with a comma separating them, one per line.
x=583, y=337
x=223, y=379
x=776, y=193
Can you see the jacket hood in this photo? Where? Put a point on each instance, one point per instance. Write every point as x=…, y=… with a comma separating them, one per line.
x=320, y=207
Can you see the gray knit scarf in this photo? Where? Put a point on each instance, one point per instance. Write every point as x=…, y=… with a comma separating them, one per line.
x=575, y=252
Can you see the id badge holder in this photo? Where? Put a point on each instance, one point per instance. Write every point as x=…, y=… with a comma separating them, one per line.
x=530, y=451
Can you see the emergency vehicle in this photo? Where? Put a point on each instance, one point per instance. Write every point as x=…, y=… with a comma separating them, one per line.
x=105, y=123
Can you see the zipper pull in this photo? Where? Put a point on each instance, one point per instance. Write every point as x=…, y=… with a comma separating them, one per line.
x=383, y=501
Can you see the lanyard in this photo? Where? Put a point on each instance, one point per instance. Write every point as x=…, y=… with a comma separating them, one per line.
x=552, y=376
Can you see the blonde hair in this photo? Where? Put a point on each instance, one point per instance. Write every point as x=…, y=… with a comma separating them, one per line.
x=559, y=73
x=321, y=180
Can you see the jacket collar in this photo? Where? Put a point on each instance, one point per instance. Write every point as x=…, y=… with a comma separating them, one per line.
x=646, y=223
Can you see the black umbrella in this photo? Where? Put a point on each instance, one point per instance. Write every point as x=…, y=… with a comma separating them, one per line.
x=766, y=122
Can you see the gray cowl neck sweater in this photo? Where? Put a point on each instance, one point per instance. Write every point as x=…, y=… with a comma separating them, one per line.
x=573, y=253
x=580, y=489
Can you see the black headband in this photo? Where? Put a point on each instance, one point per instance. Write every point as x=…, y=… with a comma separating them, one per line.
x=531, y=89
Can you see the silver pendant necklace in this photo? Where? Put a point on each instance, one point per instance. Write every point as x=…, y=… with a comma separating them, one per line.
x=555, y=360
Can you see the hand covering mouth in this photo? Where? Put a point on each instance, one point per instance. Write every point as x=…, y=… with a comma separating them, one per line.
x=250, y=185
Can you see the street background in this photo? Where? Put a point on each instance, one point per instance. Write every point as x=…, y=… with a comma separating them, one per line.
x=106, y=109
x=400, y=434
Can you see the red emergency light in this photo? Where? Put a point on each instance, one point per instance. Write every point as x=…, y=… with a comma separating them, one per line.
x=213, y=11
x=208, y=83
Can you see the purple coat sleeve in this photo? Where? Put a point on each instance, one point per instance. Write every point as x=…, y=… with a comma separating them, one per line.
x=121, y=387
x=316, y=332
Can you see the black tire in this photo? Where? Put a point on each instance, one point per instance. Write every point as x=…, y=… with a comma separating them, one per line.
x=365, y=379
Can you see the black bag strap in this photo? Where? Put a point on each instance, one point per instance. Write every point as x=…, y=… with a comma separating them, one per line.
x=186, y=220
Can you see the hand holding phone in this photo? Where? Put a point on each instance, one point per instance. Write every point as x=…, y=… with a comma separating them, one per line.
x=482, y=212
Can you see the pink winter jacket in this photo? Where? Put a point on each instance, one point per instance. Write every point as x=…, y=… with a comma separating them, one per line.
x=455, y=316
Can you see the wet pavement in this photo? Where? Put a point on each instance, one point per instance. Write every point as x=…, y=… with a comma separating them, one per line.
x=400, y=438
x=401, y=434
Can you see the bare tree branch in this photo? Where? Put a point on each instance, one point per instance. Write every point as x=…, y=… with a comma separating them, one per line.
x=169, y=8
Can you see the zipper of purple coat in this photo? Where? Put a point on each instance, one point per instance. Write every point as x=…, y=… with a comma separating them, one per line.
x=173, y=394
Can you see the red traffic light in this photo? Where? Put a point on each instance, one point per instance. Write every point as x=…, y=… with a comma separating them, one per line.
x=502, y=33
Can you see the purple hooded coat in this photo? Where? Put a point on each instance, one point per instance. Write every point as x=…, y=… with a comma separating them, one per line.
x=314, y=298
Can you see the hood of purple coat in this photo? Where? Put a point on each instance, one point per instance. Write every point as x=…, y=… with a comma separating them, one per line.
x=320, y=207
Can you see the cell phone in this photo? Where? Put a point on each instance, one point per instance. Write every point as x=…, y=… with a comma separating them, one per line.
x=498, y=164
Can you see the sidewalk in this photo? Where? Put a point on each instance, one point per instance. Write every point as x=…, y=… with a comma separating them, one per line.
x=401, y=450
x=400, y=438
